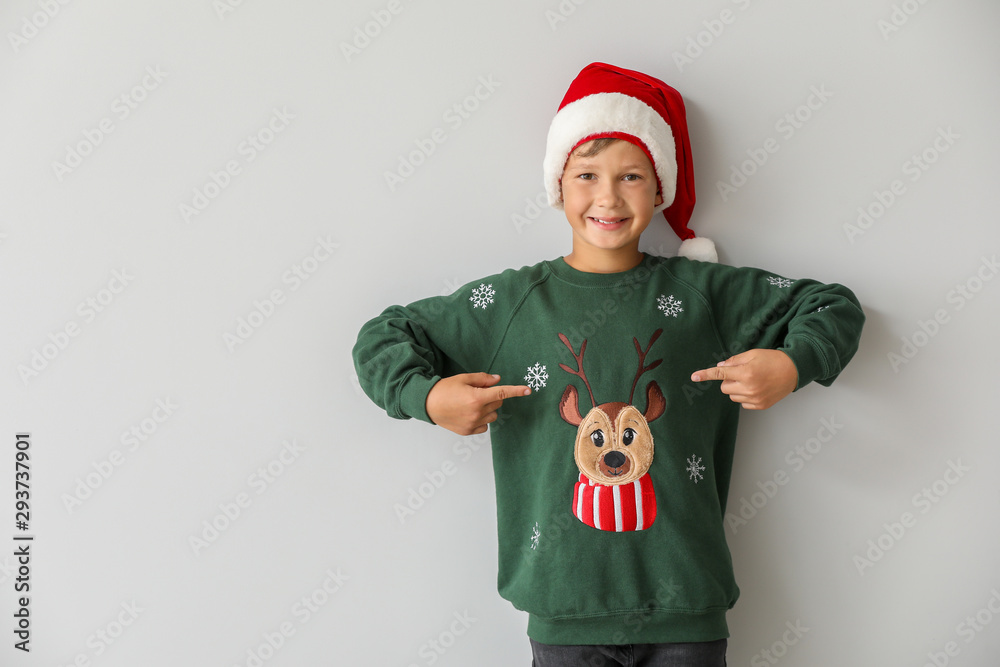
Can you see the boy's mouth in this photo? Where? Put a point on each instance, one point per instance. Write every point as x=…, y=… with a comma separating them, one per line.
x=608, y=223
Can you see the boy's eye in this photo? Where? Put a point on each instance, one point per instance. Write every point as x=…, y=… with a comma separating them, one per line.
x=586, y=177
x=632, y=177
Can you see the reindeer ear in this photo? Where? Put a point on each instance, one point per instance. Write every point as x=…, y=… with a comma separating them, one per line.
x=569, y=406
x=655, y=403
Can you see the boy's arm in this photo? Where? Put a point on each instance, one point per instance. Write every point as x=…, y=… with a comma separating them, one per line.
x=397, y=362
x=413, y=362
x=781, y=334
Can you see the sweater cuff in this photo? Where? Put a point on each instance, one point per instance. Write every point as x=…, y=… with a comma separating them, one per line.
x=809, y=360
x=413, y=396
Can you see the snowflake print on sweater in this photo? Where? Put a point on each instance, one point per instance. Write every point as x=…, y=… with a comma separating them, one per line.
x=695, y=468
x=670, y=305
x=537, y=377
x=779, y=282
x=482, y=296
x=536, y=535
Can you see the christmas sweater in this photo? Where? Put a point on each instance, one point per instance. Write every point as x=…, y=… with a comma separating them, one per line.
x=605, y=538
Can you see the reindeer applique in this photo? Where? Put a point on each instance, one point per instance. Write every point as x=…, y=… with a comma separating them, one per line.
x=614, y=449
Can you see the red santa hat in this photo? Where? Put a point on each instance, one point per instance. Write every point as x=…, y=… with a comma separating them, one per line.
x=608, y=101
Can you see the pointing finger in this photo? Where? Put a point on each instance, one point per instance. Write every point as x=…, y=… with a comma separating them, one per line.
x=724, y=370
x=503, y=392
x=705, y=374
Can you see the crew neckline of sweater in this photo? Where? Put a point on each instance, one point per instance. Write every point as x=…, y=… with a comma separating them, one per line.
x=560, y=269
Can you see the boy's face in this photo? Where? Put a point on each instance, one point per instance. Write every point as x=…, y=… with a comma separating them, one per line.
x=609, y=199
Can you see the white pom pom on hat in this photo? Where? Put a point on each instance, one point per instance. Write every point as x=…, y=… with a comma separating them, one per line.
x=608, y=101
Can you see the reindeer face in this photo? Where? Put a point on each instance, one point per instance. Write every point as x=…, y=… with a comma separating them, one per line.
x=613, y=444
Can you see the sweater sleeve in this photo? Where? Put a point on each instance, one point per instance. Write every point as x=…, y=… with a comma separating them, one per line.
x=817, y=325
x=403, y=352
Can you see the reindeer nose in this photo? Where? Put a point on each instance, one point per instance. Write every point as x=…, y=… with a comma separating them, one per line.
x=614, y=459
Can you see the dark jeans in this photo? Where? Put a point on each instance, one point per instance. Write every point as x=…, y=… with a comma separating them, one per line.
x=699, y=654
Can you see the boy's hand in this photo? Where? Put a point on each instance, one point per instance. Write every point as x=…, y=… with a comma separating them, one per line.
x=466, y=403
x=757, y=379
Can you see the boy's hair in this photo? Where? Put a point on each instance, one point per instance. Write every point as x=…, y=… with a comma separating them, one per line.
x=595, y=146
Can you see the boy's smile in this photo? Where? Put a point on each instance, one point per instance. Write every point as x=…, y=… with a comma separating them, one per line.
x=609, y=224
x=609, y=200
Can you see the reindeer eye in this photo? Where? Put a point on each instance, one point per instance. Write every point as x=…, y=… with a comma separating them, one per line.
x=628, y=436
x=597, y=437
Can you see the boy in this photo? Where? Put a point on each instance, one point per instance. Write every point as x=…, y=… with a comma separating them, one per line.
x=616, y=549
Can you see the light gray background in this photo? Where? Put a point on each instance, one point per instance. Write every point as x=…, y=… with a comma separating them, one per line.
x=329, y=517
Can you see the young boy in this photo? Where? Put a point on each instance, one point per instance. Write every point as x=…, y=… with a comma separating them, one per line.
x=615, y=549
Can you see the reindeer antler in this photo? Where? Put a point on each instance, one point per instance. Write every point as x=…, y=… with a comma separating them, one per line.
x=642, y=359
x=579, y=364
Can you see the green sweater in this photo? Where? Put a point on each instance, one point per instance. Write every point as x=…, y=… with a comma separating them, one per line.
x=648, y=562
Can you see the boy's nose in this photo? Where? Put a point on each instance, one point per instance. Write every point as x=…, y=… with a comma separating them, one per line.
x=608, y=194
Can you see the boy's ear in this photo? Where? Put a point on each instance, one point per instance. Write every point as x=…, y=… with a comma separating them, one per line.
x=658, y=200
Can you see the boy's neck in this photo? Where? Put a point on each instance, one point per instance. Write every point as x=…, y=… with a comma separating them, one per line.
x=604, y=262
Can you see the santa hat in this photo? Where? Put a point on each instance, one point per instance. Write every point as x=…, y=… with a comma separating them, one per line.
x=608, y=101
